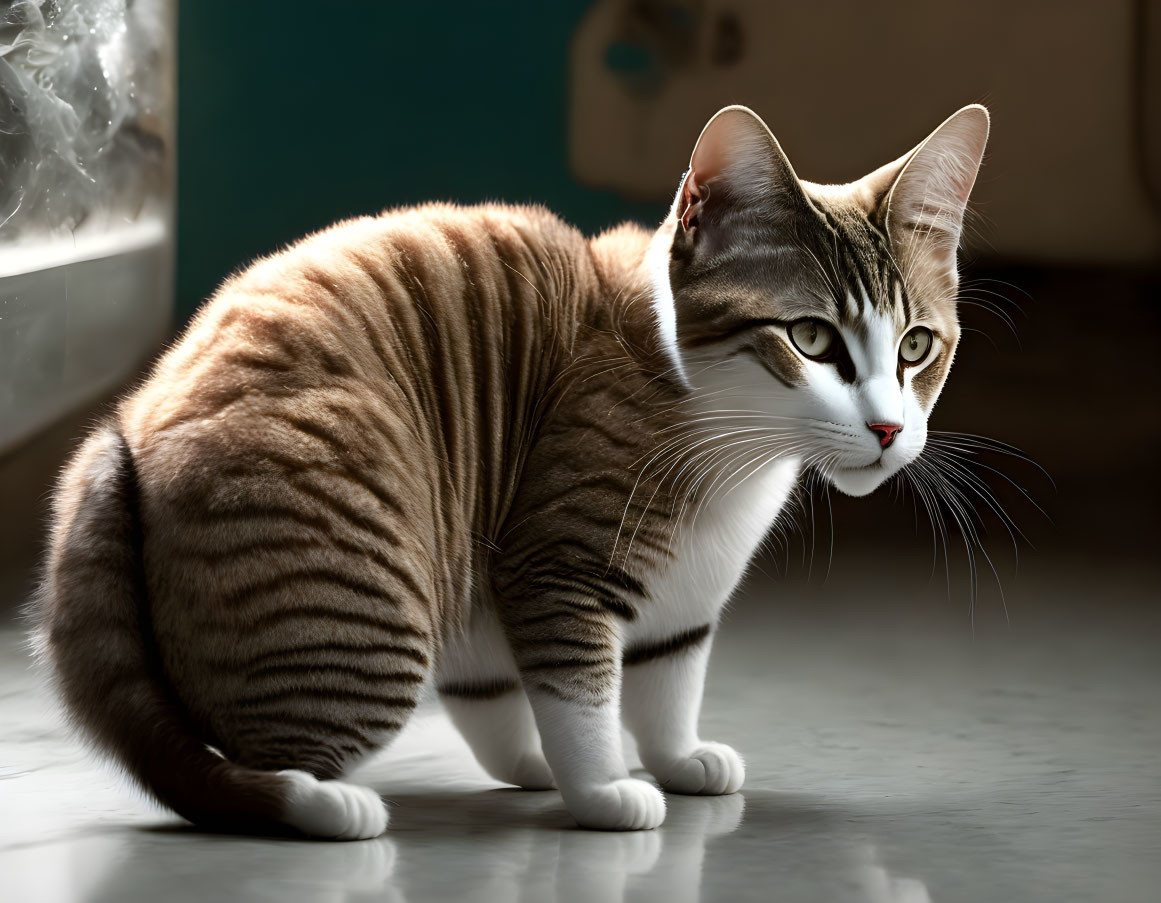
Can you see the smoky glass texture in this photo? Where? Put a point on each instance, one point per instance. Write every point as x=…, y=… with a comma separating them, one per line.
x=87, y=107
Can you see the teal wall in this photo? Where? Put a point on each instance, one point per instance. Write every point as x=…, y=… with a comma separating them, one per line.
x=289, y=122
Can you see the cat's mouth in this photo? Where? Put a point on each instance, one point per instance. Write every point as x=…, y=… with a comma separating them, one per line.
x=877, y=464
x=862, y=480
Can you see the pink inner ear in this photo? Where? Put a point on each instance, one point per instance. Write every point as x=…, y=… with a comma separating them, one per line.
x=691, y=196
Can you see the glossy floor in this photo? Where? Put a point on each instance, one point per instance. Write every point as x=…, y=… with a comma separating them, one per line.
x=893, y=755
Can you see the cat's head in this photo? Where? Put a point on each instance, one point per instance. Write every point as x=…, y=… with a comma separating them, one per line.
x=822, y=316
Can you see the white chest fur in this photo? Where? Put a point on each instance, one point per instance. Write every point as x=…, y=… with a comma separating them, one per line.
x=712, y=551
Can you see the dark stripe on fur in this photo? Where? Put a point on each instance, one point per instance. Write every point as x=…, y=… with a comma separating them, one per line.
x=480, y=691
x=326, y=728
x=765, y=363
x=594, y=619
x=417, y=655
x=646, y=652
x=301, y=692
x=561, y=663
x=351, y=515
x=365, y=674
x=297, y=579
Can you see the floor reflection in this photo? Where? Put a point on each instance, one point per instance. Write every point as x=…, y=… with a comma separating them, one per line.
x=505, y=845
x=875, y=883
x=498, y=845
x=181, y=865
x=886, y=764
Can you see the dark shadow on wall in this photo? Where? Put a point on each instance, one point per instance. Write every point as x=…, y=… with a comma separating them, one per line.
x=291, y=121
x=1035, y=369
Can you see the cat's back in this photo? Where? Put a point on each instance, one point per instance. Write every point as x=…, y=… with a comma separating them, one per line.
x=371, y=322
x=357, y=295
x=368, y=300
x=363, y=386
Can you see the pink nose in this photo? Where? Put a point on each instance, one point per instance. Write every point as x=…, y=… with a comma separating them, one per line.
x=885, y=431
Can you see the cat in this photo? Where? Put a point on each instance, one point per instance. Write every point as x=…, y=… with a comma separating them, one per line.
x=468, y=445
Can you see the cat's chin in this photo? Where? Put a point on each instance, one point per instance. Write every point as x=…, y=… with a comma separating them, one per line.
x=860, y=481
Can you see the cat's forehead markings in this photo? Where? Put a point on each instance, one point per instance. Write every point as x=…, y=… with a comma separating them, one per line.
x=857, y=307
x=901, y=302
x=851, y=311
x=861, y=252
x=866, y=298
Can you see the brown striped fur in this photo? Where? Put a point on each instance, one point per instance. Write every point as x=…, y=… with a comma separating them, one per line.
x=360, y=447
x=355, y=442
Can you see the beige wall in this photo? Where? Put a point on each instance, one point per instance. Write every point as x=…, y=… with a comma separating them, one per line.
x=848, y=85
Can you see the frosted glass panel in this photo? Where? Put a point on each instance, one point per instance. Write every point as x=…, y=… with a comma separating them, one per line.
x=86, y=199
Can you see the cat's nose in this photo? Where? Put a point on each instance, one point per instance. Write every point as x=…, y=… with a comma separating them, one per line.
x=885, y=431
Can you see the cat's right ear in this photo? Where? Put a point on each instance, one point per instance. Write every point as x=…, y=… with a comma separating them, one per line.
x=737, y=165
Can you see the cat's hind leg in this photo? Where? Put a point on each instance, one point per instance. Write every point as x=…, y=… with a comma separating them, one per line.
x=311, y=711
x=318, y=802
x=333, y=809
x=496, y=719
x=480, y=688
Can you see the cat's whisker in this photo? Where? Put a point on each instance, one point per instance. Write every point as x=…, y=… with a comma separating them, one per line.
x=953, y=479
x=666, y=453
x=778, y=450
x=694, y=490
x=705, y=467
x=969, y=480
x=972, y=442
x=774, y=442
x=919, y=480
x=983, y=280
x=963, y=459
x=991, y=308
x=963, y=513
x=687, y=441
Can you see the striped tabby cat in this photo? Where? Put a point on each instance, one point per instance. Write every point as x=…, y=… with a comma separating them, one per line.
x=471, y=446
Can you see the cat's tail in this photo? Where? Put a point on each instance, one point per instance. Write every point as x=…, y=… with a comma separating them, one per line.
x=93, y=628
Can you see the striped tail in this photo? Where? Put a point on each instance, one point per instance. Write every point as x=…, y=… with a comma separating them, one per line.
x=93, y=628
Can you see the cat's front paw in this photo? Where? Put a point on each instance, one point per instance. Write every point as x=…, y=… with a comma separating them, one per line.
x=624, y=805
x=712, y=769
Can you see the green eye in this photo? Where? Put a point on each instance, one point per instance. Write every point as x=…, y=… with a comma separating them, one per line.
x=814, y=338
x=915, y=345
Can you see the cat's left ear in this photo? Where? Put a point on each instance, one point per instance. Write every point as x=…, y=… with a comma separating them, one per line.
x=921, y=197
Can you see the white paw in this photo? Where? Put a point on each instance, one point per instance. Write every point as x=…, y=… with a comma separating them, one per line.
x=624, y=805
x=712, y=769
x=333, y=809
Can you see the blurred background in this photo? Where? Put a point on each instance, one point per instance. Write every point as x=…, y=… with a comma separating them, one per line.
x=287, y=123
x=149, y=149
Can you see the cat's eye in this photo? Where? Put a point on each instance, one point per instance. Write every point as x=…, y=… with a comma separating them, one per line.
x=916, y=345
x=816, y=339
